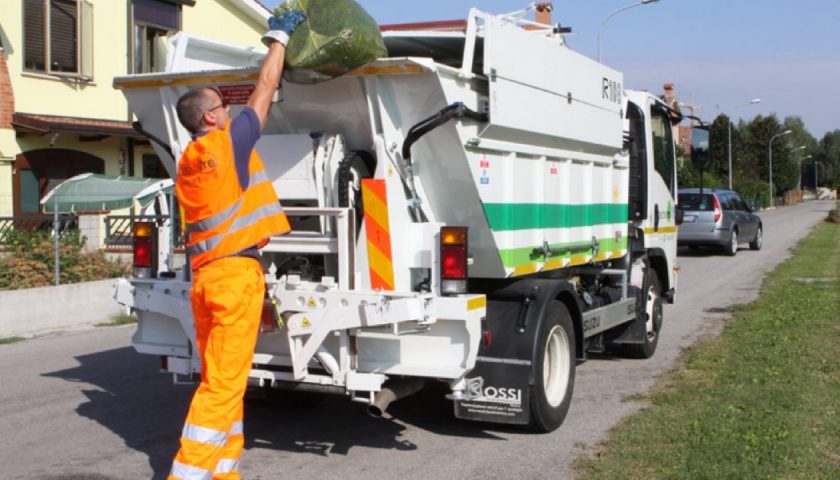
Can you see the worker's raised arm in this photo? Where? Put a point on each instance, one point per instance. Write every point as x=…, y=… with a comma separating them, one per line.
x=271, y=70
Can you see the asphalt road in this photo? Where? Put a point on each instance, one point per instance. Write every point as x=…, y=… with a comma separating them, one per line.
x=83, y=405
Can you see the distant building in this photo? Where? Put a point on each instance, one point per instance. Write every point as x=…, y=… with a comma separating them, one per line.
x=59, y=113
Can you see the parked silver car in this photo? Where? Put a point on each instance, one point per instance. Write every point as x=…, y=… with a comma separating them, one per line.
x=717, y=217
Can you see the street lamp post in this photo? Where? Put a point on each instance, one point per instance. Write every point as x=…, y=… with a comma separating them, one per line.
x=729, y=126
x=628, y=7
x=816, y=179
x=806, y=157
x=770, y=156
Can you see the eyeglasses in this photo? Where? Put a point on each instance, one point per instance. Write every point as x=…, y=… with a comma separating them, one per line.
x=223, y=104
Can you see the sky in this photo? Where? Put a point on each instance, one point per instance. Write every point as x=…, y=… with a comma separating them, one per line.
x=720, y=54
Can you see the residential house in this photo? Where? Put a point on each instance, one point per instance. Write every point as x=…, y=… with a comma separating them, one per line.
x=59, y=113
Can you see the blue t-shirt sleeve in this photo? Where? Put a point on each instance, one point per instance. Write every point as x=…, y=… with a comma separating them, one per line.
x=244, y=133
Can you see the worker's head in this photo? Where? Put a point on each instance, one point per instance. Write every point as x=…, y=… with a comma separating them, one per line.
x=203, y=109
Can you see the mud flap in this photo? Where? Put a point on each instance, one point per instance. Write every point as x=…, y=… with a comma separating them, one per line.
x=498, y=392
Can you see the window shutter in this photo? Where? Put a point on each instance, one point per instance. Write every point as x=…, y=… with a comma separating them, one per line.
x=64, y=50
x=158, y=13
x=33, y=35
x=86, y=26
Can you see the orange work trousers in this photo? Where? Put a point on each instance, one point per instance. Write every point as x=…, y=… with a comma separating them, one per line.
x=227, y=298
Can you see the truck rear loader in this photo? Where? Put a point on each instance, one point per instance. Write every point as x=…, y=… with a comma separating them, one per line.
x=482, y=208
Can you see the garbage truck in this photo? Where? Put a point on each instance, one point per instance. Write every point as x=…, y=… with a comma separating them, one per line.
x=483, y=208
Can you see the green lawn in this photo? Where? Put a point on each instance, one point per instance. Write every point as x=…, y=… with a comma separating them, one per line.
x=761, y=401
x=8, y=340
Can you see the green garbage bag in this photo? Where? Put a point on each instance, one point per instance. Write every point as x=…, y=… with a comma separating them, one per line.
x=336, y=37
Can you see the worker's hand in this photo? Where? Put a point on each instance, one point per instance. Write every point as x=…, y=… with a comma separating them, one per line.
x=282, y=26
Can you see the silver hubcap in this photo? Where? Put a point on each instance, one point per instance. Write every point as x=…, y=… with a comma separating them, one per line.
x=556, y=363
x=734, y=241
x=759, y=238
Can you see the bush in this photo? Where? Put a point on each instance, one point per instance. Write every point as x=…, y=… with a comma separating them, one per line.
x=31, y=261
x=755, y=192
x=688, y=177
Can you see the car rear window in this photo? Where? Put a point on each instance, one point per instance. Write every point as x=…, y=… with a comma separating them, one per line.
x=695, y=201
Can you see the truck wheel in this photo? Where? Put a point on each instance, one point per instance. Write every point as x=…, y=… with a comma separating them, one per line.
x=758, y=242
x=732, y=247
x=554, y=370
x=648, y=311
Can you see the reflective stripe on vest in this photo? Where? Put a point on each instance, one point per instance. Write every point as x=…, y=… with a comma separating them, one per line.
x=187, y=472
x=240, y=224
x=204, y=435
x=227, y=465
x=220, y=218
x=236, y=428
x=223, y=219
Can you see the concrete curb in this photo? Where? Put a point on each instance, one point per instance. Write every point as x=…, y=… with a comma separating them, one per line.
x=34, y=311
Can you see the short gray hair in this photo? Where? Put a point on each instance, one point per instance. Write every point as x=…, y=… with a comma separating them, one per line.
x=191, y=108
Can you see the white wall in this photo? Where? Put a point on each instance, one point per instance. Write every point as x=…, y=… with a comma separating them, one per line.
x=42, y=310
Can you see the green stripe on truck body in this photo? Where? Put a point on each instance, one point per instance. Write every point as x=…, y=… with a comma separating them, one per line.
x=505, y=217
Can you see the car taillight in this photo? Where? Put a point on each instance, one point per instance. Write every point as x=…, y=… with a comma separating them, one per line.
x=453, y=260
x=718, y=211
x=144, y=249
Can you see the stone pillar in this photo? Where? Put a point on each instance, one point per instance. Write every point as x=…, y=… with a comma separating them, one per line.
x=90, y=225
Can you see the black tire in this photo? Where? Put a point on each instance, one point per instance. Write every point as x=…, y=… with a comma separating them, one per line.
x=732, y=247
x=649, y=313
x=758, y=241
x=553, y=369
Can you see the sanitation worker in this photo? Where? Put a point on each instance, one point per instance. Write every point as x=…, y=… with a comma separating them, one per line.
x=230, y=209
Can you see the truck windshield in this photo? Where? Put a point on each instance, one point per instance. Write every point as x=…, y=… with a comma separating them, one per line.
x=695, y=201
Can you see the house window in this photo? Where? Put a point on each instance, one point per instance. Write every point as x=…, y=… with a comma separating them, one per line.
x=58, y=37
x=154, y=21
x=152, y=168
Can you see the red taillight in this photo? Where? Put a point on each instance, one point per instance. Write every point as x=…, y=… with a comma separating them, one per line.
x=143, y=252
x=716, y=205
x=143, y=244
x=453, y=260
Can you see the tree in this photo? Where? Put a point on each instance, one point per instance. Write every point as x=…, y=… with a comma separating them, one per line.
x=718, y=147
x=759, y=132
x=828, y=157
x=801, y=138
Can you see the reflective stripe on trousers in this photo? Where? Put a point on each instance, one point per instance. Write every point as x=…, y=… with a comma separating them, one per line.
x=227, y=297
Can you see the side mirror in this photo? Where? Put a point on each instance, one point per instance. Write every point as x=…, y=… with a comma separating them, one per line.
x=700, y=154
x=679, y=216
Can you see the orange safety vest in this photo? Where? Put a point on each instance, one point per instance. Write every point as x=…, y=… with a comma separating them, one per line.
x=221, y=218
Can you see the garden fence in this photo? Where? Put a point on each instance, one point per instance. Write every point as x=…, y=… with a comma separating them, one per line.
x=97, y=228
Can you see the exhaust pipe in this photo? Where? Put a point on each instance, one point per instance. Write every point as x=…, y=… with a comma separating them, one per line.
x=393, y=390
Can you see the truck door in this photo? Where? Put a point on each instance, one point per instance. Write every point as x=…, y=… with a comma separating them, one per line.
x=662, y=183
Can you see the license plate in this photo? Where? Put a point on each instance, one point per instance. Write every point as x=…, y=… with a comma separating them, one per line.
x=690, y=219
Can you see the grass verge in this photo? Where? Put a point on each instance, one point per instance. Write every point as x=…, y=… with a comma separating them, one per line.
x=760, y=401
x=119, y=320
x=9, y=340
